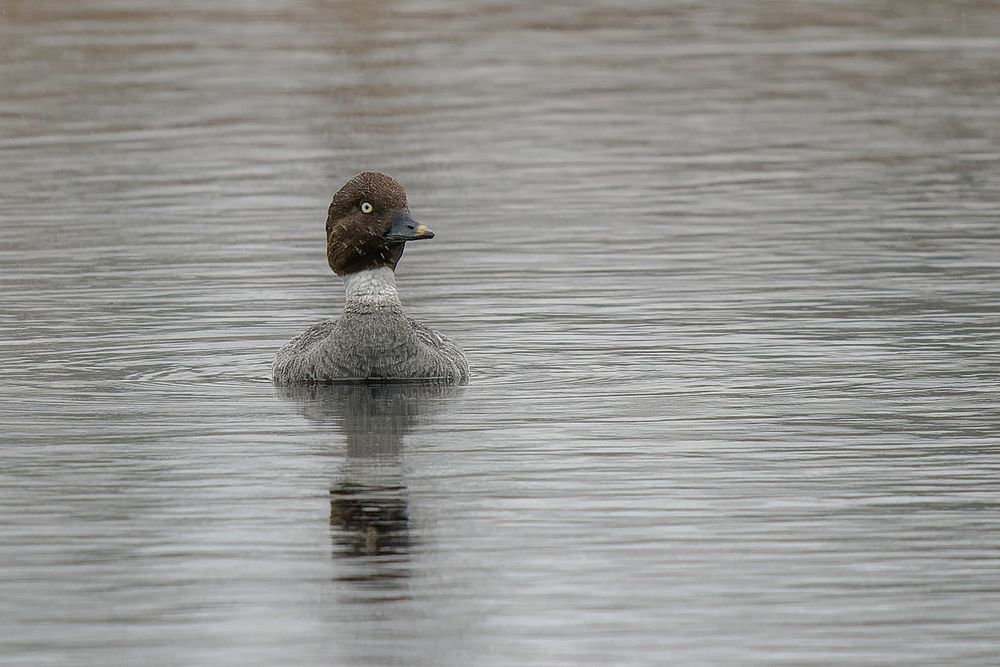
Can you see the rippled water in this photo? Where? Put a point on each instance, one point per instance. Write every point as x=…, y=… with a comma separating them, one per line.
x=728, y=276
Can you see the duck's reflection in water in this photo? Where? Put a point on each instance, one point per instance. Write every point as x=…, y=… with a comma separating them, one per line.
x=369, y=504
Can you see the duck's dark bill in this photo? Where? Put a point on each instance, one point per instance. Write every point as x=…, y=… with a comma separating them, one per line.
x=404, y=228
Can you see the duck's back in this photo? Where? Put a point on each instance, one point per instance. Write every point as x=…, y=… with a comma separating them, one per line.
x=370, y=345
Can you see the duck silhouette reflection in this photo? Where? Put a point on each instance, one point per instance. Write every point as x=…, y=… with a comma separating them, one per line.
x=369, y=503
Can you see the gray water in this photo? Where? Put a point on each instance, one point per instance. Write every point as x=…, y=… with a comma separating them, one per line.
x=728, y=276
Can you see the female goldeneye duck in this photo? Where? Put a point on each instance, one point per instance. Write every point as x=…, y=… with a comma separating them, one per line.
x=367, y=226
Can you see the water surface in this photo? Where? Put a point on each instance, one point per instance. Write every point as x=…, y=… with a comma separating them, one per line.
x=728, y=278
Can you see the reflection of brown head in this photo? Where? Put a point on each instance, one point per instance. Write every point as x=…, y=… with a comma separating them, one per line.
x=368, y=224
x=373, y=520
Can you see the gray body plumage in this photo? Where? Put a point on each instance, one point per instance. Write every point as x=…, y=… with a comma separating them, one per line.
x=373, y=340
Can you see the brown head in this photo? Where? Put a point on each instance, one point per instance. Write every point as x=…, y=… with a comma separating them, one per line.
x=368, y=224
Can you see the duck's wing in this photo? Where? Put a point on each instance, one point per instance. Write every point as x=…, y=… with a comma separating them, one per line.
x=301, y=358
x=449, y=351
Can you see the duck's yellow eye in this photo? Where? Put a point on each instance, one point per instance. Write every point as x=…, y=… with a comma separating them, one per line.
x=366, y=207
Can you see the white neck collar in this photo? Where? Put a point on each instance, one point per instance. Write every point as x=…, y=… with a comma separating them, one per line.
x=373, y=286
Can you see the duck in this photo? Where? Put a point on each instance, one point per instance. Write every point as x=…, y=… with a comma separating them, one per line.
x=367, y=226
